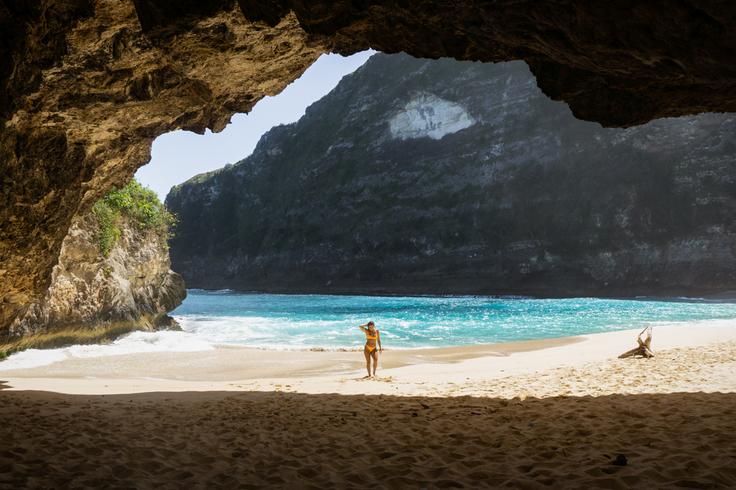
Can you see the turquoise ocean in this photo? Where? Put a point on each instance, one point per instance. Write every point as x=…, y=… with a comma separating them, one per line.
x=280, y=321
x=307, y=321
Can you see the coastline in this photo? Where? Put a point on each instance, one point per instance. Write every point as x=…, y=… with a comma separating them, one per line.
x=443, y=371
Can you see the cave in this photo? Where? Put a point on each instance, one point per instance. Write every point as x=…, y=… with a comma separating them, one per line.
x=87, y=85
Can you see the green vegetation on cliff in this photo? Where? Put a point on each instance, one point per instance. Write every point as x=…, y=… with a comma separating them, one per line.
x=139, y=204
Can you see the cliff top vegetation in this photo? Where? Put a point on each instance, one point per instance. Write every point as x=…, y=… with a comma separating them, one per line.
x=135, y=202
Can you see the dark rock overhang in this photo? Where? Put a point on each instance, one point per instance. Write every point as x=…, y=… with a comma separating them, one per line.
x=86, y=85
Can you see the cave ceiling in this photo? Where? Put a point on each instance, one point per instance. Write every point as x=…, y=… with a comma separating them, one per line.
x=86, y=85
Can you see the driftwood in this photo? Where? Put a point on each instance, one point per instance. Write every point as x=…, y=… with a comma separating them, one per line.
x=645, y=346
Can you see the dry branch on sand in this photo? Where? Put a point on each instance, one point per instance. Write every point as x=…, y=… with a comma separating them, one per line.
x=644, y=349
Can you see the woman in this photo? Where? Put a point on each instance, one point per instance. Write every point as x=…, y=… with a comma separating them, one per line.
x=372, y=346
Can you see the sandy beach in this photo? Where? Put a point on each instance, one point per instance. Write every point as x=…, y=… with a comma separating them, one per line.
x=559, y=413
x=528, y=368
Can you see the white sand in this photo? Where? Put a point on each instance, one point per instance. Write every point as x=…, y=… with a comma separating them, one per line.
x=440, y=372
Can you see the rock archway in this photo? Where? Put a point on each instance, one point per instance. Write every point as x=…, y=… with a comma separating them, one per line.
x=86, y=85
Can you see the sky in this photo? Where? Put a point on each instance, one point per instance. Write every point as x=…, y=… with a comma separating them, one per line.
x=180, y=155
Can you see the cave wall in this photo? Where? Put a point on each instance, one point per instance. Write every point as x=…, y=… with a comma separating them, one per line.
x=86, y=85
x=86, y=120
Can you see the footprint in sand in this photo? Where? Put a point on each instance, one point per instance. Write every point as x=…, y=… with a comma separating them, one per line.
x=386, y=379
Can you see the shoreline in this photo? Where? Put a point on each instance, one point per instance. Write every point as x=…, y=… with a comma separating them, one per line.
x=436, y=371
x=526, y=344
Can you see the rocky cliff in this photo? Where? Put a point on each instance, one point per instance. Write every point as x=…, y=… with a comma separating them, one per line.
x=457, y=177
x=113, y=274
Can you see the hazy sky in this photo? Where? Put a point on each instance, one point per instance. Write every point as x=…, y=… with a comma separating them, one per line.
x=179, y=155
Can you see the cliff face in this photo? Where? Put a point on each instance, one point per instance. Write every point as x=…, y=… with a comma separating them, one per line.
x=86, y=85
x=123, y=284
x=457, y=177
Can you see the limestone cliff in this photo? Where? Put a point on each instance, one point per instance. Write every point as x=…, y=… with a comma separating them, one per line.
x=457, y=177
x=113, y=276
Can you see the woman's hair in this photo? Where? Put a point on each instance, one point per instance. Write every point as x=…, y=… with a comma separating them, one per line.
x=371, y=324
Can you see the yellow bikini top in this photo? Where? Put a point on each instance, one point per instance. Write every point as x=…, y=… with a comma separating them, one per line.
x=371, y=337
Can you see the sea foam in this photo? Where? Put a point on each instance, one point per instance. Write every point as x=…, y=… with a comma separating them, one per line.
x=136, y=342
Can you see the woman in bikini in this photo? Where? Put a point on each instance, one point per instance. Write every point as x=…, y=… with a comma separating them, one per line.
x=372, y=346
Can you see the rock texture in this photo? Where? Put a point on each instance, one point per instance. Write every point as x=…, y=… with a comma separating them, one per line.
x=85, y=85
x=456, y=177
x=85, y=93
x=132, y=288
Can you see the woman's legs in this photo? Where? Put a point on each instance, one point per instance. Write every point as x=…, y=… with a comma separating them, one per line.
x=374, y=355
x=367, y=360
